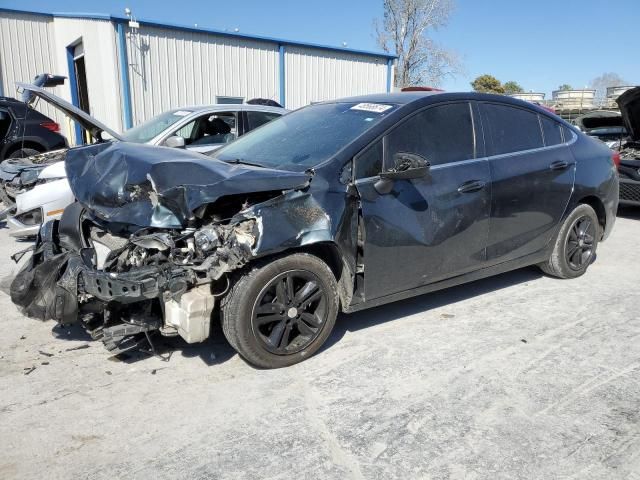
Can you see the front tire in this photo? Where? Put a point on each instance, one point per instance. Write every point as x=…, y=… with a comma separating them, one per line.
x=576, y=244
x=281, y=312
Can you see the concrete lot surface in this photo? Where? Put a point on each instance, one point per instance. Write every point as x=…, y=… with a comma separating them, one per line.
x=518, y=376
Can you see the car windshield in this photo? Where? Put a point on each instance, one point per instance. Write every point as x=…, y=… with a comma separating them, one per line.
x=151, y=128
x=306, y=137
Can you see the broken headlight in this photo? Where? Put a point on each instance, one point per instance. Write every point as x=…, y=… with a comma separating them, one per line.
x=206, y=239
x=29, y=176
x=32, y=217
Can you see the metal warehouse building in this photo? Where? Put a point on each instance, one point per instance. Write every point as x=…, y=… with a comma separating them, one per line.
x=124, y=73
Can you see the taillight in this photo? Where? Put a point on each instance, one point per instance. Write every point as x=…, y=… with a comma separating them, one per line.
x=53, y=126
x=615, y=156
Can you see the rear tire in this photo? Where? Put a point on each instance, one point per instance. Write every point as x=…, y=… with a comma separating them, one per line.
x=280, y=312
x=576, y=244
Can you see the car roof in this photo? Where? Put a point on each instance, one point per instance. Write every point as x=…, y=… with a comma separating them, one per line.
x=219, y=107
x=422, y=98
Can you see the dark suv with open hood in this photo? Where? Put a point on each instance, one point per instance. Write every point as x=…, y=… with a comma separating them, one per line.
x=338, y=206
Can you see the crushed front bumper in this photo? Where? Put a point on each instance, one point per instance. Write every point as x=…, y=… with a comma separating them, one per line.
x=60, y=282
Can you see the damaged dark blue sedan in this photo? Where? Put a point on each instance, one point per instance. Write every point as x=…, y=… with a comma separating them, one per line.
x=339, y=206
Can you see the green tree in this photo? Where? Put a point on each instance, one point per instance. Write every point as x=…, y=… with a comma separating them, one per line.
x=565, y=86
x=512, y=87
x=487, y=84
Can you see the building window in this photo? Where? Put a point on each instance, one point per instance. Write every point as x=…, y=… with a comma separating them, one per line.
x=233, y=100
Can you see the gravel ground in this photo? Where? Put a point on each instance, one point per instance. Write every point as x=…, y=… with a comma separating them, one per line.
x=518, y=376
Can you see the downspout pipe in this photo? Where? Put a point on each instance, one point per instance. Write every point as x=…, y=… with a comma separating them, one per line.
x=125, y=85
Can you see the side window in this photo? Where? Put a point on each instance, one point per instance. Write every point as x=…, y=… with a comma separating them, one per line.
x=551, y=130
x=441, y=134
x=257, y=119
x=186, y=131
x=512, y=129
x=5, y=121
x=369, y=162
x=568, y=134
x=209, y=129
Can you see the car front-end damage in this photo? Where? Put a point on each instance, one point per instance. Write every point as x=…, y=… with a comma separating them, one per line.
x=20, y=175
x=152, y=240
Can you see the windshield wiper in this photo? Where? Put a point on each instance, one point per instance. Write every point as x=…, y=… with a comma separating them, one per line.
x=244, y=162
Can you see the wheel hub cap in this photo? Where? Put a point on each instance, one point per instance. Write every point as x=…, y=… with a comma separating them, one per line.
x=290, y=312
x=580, y=241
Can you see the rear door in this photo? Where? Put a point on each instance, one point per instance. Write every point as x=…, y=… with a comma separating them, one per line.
x=428, y=228
x=532, y=172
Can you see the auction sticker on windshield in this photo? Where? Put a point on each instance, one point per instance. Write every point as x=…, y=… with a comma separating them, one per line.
x=181, y=113
x=371, y=107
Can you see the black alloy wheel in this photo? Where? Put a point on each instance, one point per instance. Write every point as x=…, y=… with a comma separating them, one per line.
x=579, y=249
x=280, y=311
x=290, y=312
x=576, y=243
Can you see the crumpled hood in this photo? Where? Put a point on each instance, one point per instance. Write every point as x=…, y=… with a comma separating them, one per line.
x=629, y=103
x=161, y=187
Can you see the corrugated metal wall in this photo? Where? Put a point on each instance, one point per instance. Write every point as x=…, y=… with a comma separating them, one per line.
x=26, y=49
x=98, y=38
x=31, y=44
x=169, y=69
x=314, y=75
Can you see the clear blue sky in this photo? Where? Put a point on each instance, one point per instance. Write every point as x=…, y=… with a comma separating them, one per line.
x=539, y=44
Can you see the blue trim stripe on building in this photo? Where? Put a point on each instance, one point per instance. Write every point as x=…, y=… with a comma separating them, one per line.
x=185, y=28
x=125, y=87
x=282, y=75
x=73, y=85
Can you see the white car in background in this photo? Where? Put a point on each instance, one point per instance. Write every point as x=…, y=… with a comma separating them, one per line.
x=201, y=129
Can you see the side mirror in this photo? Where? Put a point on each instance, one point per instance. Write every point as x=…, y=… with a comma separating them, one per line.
x=407, y=166
x=174, y=141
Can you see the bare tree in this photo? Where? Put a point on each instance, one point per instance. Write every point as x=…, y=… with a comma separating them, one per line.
x=405, y=30
x=604, y=81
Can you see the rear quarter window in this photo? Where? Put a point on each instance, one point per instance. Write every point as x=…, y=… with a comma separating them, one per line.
x=511, y=129
x=552, y=131
x=568, y=134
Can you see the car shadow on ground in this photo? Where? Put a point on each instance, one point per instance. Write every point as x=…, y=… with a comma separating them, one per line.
x=216, y=350
x=411, y=306
x=632, y=213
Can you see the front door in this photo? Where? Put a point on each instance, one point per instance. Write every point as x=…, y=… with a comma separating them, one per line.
x=430, y=228
x=209, y=131
x=532, y=172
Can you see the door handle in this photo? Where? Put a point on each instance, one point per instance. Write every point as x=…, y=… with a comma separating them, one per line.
x=559, y=165
x=471, y=186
